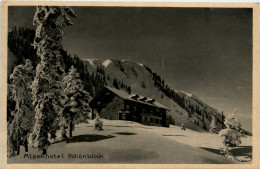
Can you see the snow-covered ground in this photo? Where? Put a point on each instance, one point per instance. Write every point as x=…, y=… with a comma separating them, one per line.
x=130, y=142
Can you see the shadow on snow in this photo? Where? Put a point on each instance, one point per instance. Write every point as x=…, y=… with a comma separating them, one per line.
x=242, y=151
x=85, y=138
x=125, y=133
x=175, y=135
x=236, y=151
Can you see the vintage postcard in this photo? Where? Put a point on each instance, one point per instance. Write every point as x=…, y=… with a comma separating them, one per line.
x=129, y=85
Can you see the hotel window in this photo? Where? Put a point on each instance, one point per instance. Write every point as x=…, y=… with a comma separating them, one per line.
x=134, y=118
x=123, y=116
x=144, y=111
x=151, y=119
x=145, y=118
x=157, y=121
x=127, y=107
x=134, y=108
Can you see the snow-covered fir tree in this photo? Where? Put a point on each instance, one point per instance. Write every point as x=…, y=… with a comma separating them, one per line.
x=46, y=87
x=183, y=126
x=23, y=114
x=75, y=102
x=232, y=122
x=213, y=126
x=231, y=136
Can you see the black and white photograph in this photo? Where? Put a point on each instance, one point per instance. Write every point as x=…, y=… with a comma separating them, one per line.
x=129, y=85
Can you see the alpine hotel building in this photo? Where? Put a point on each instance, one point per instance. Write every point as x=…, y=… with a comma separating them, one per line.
x=115, y=104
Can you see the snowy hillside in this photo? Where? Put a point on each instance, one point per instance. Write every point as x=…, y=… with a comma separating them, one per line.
x=142, y=81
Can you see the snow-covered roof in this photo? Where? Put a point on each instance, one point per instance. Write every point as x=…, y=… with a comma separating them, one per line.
x=135, y=96
x=150, y=100
x=141, y=99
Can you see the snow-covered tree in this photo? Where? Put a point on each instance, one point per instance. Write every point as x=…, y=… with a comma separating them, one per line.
x=143, y=85
x=231, y=136
x=22, y=122
x=46, y=87
x=213, y=126
x=232, y=122
x=183, y=126
x=98, y=125
x=75, y=102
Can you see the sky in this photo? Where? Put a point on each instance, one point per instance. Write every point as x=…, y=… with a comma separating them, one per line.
x=203, y=51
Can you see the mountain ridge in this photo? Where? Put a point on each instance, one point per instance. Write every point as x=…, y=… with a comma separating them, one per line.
x=189, y=110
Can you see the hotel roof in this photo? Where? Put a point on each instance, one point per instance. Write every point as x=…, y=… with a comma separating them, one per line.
x=136, y=98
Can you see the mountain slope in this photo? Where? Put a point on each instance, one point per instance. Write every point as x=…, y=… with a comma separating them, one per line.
x=185, y=108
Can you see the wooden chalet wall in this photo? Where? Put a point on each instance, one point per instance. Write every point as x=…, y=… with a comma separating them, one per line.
x=146, y=114
x=110, y=111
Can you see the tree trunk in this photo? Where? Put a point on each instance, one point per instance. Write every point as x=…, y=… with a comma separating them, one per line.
x=18, y=149
x=26, y=148
x=44, y=151
x=71, y=129
x=64, y=136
